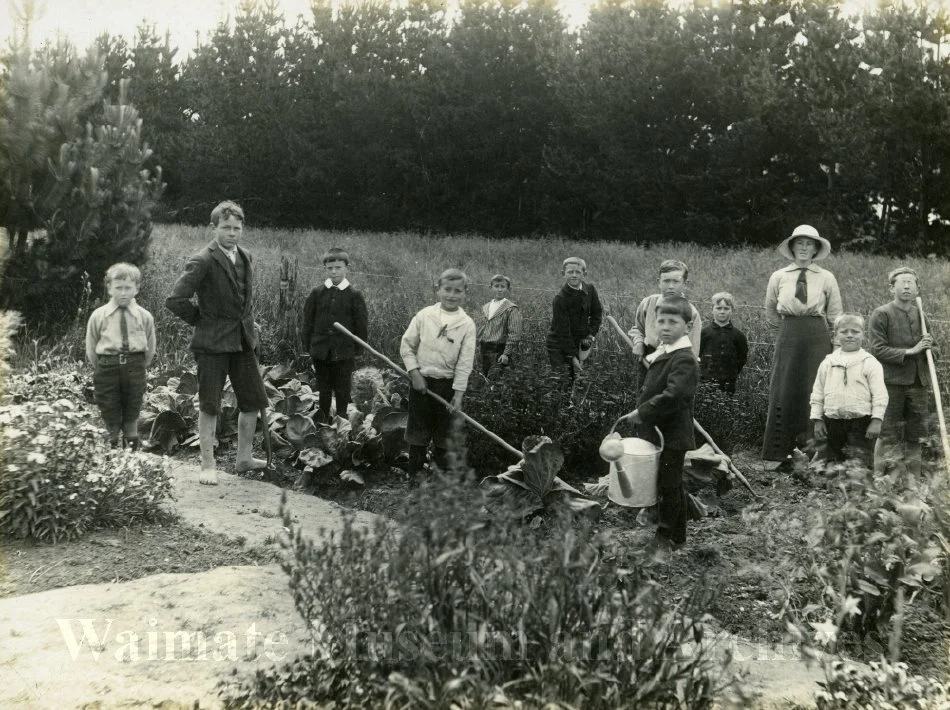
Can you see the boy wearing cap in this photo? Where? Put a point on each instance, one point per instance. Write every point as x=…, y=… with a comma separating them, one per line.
x=802, y=302
x=500, y=332
x=577, y=314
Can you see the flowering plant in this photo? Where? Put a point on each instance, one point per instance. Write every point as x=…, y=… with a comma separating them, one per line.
x=58, y=480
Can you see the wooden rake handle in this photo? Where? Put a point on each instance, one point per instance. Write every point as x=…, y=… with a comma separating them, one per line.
x=366, y=346
x=936, y=388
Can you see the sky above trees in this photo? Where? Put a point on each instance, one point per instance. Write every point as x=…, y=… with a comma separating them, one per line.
x=81, y=21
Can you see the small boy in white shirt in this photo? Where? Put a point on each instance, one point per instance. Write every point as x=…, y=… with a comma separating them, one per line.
x=849, y=397
x=438, y=349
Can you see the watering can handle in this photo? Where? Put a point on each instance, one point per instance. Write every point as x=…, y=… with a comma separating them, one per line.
x=657, y=429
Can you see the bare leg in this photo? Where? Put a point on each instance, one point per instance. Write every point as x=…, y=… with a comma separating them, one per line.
x=247, y=423
x=207, y=425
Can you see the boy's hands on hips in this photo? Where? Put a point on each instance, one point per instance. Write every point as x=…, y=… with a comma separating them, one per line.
x=821, y=431
x=418, y=381
x=874, y=429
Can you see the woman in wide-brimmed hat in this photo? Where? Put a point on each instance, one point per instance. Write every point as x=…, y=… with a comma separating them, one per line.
x=802, y=300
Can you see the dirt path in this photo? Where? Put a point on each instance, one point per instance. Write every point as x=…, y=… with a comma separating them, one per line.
x=166, y=640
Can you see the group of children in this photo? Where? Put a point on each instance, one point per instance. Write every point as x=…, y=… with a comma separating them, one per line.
x=858, y=396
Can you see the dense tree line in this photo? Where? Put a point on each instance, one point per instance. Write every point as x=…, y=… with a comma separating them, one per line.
x=649, y=122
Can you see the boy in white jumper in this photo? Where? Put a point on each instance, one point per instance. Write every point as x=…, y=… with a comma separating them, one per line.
x=849, y=397
x=438, y=349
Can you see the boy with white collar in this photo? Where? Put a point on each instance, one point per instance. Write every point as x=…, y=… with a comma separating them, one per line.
x=120, y=345
x=666, y=403
x=849, y=397
x=576, y=318
x=500, y=333
x=438, y=349
x=332, y=352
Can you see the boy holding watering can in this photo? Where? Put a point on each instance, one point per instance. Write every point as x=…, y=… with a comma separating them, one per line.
x=666, y=403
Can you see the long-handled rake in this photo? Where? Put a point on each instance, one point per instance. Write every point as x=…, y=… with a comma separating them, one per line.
x=936, y=388
x=369, y=348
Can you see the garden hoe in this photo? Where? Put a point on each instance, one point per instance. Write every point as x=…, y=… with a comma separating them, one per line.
x=494, y=437
x=935, y=386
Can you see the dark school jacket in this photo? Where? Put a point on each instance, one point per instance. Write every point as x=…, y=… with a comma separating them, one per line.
x=890, y=332
x=666, y=400
x=222, y=316
x=577, y=314
x=723, y=351
x=323, y=307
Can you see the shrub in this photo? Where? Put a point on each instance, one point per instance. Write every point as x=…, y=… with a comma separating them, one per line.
x=462, y=609
x=58, y=481
x=869, y=548
x=884, y=686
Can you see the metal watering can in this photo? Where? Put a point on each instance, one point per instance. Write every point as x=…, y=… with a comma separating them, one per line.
x=634, y=464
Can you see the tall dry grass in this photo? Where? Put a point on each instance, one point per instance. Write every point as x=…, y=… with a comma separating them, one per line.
x=396, y=272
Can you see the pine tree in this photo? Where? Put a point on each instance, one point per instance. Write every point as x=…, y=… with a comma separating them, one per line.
x=74, y=193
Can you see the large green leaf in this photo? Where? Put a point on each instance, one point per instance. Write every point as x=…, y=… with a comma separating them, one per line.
x=540, y=467
x=301, y=432
x=280, y=447
x=165, y=430
x=292, y=404
x=278, y=374
x=161, y=399
x=314, y=457
x=331, y=438
x=188, y=383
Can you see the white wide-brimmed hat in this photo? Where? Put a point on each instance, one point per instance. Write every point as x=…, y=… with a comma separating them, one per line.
x=805, y=230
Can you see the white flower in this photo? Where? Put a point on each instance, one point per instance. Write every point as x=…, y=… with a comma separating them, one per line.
x=14, y=433
x=825, y=632
x=851, y=606
x=41, y=440
x=36, y=457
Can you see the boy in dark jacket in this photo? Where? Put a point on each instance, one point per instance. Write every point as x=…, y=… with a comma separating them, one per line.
x=724, y=348
x=576, y=319
x=332, y=352
x=666, y=403
x=214, y=294
x=896, y=339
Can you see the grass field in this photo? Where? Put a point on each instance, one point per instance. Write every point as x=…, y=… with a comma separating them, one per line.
x=396, y=272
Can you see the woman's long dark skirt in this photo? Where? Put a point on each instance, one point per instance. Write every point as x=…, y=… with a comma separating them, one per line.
x=803, y=342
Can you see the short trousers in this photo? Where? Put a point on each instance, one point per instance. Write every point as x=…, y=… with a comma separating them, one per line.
x=119, y=388
x=848, y=434
x=429, y=419
x=246, y=380
x=490, y=353
x=907, y=405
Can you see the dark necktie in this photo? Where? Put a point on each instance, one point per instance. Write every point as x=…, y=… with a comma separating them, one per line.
x=801, y=287
x=124, y=328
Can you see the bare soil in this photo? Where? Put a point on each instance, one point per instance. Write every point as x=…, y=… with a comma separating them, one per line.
x=212, y=577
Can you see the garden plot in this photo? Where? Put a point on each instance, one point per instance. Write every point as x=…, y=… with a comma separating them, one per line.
x=244, y=615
